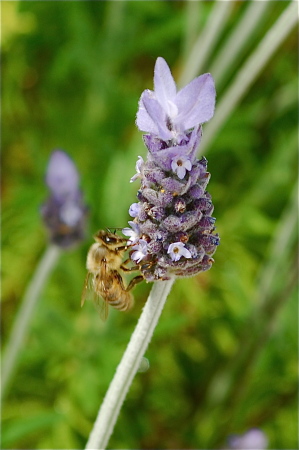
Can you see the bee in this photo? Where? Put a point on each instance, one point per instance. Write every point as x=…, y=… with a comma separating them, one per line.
x=103, y=280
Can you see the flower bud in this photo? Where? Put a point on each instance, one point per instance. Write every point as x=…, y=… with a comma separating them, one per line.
x=64, y=213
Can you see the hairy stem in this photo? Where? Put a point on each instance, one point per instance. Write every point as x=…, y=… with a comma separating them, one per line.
x=126, y=370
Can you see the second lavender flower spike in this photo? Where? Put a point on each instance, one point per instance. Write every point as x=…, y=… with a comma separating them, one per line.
x=173, y=230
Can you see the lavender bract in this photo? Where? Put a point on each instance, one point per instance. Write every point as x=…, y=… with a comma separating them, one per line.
x=173, y=230
x=64, y=213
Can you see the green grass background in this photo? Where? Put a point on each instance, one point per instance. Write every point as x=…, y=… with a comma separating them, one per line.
x=223, y=358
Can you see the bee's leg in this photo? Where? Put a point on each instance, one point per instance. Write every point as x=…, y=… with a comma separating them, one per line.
x=121, y=248
x=134, y=281
x=128, y=269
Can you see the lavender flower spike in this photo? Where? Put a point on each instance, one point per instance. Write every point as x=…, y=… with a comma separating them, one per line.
x=173, y=216
x=64, y=212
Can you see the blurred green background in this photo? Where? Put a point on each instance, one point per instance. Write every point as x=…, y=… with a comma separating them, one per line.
x=223, y=358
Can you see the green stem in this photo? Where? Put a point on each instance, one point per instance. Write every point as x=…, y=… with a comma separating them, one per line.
x=125, y=372
x=25, y=313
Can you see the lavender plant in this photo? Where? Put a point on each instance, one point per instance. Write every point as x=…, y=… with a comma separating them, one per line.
x=172, y=234
x=64, y=214
x=173, y=227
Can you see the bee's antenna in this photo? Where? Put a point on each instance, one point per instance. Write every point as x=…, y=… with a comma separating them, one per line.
x=113, y=228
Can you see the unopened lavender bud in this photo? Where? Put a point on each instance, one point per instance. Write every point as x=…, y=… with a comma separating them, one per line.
x=196, y=191
x=172, y=185
x=64, y=213
x=143, y=211
x=205, y=205
x=181, y=236
x=154, y=247
x=180, y=205
x=174, y=210
x=153, y=174
x=156, y=213
x=206, y=223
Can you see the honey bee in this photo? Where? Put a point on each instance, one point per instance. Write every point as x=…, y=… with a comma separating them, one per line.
x=103, y=280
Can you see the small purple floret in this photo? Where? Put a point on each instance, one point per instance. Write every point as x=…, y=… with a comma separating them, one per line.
x=176, y=250
x=140, y=251
x=180, y=165
x=133, y=232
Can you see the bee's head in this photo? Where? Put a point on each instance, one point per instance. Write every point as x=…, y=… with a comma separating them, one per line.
x=108, y=239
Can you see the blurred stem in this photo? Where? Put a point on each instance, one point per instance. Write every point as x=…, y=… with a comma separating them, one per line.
x=279, y=253
x=282, y=265
x=251, y=348
x=192, y=12
x=237, y=40
x=25, y=313
x=250, y=70
x=126, y=370
x=206, y=41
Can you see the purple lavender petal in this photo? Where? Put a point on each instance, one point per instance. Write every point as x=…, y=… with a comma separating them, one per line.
x=134, y=209
x=143, y=121
x=133, y=232
x=196, y=102
x=157, y=115
x=140, y=251
x=180, y=165
x=164, y=85
x=164, y=156
x=177, y=250
x=62, y=176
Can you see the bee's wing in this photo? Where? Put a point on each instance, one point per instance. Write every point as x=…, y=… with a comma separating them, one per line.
x=90, y=292
x=87, y=292
x=101, y=306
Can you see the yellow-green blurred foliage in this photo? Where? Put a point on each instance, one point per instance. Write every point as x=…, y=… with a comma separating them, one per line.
x=223, y=357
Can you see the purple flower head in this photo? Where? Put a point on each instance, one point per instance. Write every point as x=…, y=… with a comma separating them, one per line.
x=172, y=230
x=64, y=213
x=254, y=439
x=167, y=113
